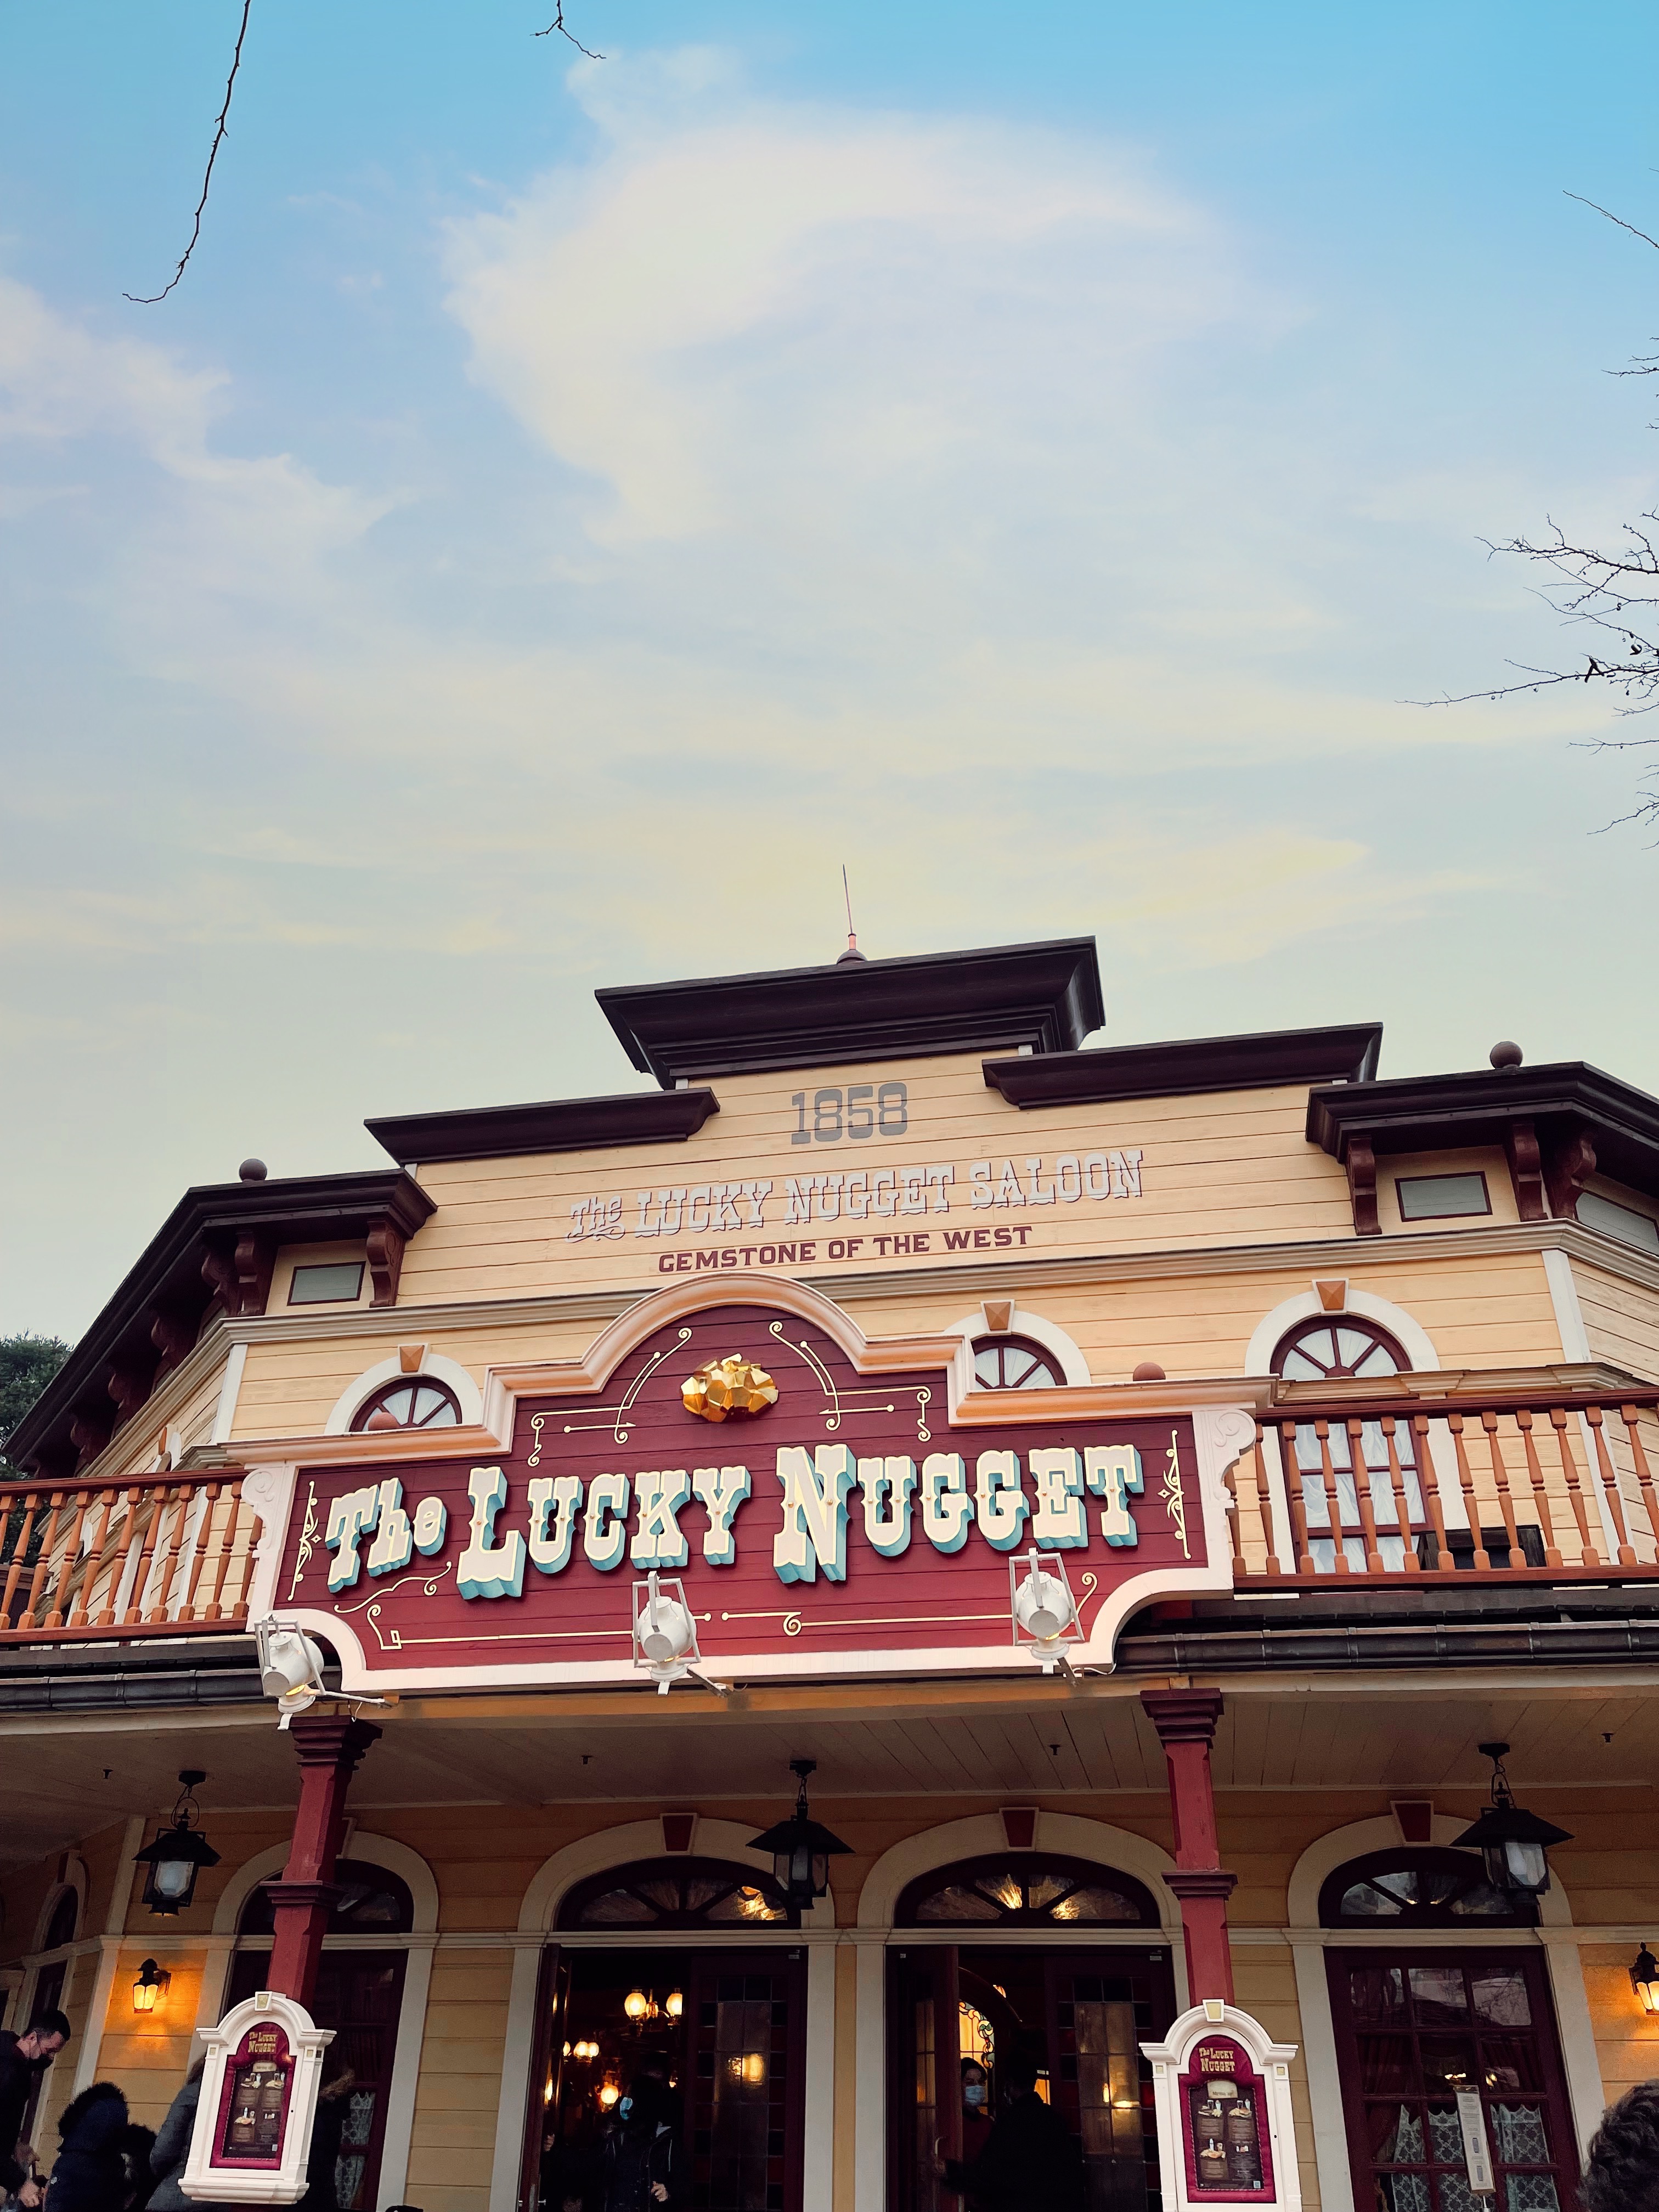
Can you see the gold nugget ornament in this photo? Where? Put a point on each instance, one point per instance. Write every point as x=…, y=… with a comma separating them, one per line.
x=724, y=1387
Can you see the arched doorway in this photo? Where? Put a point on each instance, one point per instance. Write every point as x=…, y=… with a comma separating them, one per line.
x=656, y=1962
x=359, y=1994
x=1017, y=1972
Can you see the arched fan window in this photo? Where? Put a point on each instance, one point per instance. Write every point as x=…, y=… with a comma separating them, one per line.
x=1343, y=1348
x=1339, y=1350
x=676, y=1893
x=413, y=1402
x=1025, y=1889
x=1419, y=1889
x=372, y=1901
x=1014, y=1363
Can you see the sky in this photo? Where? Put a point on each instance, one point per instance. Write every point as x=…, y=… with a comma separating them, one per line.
x=1037, y=458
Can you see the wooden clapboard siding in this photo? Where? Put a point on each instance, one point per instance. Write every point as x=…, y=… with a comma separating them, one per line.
x=458, y=2092
x=1626, y=2037
x=1621, y=1320
x=149, y=2053
x=1264, y=1984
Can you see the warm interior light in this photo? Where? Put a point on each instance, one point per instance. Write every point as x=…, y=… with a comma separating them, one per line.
x=147, y=1989
x=609, y=2094
x=676, y=2003
x=754, y=2066
x=636, y=2005
x=547, y=2093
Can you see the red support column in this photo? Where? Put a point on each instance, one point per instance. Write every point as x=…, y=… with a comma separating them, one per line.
x=1185, y=1720
x=329, y=1751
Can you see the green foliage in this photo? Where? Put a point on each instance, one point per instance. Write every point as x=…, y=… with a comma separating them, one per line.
x=27, y=1363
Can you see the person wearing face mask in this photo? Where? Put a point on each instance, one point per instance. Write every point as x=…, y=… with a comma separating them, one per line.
x=641, y=2163
x=976, y=2107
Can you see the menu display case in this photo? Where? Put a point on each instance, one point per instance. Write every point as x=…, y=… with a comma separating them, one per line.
x=253, y=2120
x=1221, y=2089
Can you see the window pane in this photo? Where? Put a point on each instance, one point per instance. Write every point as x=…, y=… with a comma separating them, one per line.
x=1399, y=2130
x=1509, y=2061
x=1528, y=2192
x=616, y=1906
x=1500, y=1996
x=1620, y=1221
x=1435, y=1197
x=1519, y=2129
x=315, y=1287
x=1445, y=2135
x=1385, y=2067
x=1094, y=1903
x=958, y=1902
x=1449, y=2061
x=1369, y=1900
x=1377, y=1993
x=1437, y=1993
x=1377, y=1361
x=987, y=1368
x=746, y=1905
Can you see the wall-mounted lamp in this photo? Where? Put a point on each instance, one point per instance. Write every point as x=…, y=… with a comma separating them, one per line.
x=1512, y=1841
x=801, y=1850
x=148, y=1989
x=1045, y=1613
x=178, y=1854
x=1645, y=1979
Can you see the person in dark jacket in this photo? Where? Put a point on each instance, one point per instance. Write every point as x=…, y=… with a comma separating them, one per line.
x=327, y=2132
x=1031, y=2161
x=640, y=2165
x=88, y=2175
x=171, y=2149
x=134, y=2145
x=23, y=2060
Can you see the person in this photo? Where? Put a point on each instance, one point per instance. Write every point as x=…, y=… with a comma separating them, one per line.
x=327, y=2132
x=640, y=2165
x=23, y=2060
x=1621, y=2173
x=134, y=2145
x=88, y=2175
x=1031, y=2161
x=171, y=2149
x=976, y=2107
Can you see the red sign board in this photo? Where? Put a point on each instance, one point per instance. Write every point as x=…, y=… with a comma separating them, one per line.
x=848, y=1526
x=253, y=2102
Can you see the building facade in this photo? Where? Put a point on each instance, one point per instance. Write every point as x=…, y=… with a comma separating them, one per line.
x=1140, y=1479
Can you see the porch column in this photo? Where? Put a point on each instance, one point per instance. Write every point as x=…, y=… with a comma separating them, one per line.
x=1185, y=1720
x=329, y=1751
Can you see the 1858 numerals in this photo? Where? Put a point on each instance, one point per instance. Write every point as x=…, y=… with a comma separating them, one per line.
x=858, y=1112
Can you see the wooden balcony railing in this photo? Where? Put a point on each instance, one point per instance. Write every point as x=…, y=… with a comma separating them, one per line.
x=1547, y=1488
x=154, y=1555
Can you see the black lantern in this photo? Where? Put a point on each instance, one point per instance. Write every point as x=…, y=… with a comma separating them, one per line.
x=1645, y=1979
x=173, y=1861
x=1511, y=1840
x=801, y=1850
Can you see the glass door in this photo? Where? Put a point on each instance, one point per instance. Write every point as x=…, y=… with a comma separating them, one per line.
x=1452, y=2076
x=745, y=2096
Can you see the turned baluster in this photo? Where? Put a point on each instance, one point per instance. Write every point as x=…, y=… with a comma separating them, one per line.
x=1500, y=1476
x=187, y=1610
x=222, y=1536
x=71, y=1556
x=48, y=1544
x=1615, y=1496
x=1297, y=1502
x=1540, y=1499
x=1264, y=1501
x=1429, y=1475
x=1629, y=1415
x=1332, y=1498
x=1465, y=1483
x=80, y=1612
x=1588, y=1555
x=20, y=1552
x=1362, y=1492
x=1400, y=1498
x=165, y=1554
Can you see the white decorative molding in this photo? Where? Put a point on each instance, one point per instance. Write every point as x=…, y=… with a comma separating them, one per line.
x=268, y=1492
x=379, y=1850
x=74, y=1878
x=1271, y=2063
x=434, y=1365
x=1021, y=1323
x=224, y=1417
x=1412, y=1337
x=634, y=1840
x=205, y=2177
x=981, y=1835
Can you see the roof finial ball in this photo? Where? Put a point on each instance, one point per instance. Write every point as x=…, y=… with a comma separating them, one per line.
x=252, y=1171
x=1504, y=1056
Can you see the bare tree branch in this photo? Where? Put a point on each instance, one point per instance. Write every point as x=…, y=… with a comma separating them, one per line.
x=149, y=299
x=562, y=28
x=1618, y=219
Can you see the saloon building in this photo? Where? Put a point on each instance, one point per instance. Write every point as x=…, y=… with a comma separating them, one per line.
x=1121, y=1496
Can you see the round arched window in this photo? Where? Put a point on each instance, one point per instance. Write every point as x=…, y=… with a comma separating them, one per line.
x=1014, y=1363
x=1025, y=1889
x=676, y=1893
x=1341, y=1350
x=371, y=1901
x=413, y=1402
x=1397, y=1888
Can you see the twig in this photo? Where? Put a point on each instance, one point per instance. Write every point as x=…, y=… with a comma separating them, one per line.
x=1618, y=219
x=563, y=28
x=149, y=299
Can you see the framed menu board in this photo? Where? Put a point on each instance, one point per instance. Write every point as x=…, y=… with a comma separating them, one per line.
x=254, y=2120
x=1221, y=2087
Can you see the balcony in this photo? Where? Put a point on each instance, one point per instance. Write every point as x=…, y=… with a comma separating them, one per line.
x=152, y=1556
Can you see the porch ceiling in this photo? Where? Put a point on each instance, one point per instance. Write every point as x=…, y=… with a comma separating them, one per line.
x=67, y=1777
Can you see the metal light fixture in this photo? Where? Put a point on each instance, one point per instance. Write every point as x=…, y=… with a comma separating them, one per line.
x=147, y=1989
x=801, y=1850
x=290, y=1666
x=638, y=2007
x=1512, y=1841
x=1044, y=1611
x=1645, y=1979
x=178, y=1854
x=675, y=2004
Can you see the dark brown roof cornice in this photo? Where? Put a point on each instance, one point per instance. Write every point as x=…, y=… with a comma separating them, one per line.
x=1190, y=1066
x=1043, y=996
x=1433, y=1112
x=219, y=1242
x=556, y=1124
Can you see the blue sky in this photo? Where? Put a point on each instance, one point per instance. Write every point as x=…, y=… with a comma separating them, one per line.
x=570, y=507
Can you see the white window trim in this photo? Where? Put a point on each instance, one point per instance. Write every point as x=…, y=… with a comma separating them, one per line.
x=1067, y=1354
x=434, y=1367
x=1309, y=1943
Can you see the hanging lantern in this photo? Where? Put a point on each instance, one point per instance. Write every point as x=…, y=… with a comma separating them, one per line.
x=178, y=1854
x=801, y=1850
x=1512, y=1841
x=637, y=2005
x=675, y=2004
x=1645, y=1979
x=147, y=1989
